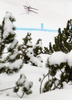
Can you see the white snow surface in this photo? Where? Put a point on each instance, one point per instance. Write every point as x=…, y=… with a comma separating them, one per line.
x=33, y=74
x=57, y=58
x=60, y=57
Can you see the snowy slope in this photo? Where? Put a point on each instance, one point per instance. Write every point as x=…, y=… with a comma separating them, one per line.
x=33, y=74
x=57, y=95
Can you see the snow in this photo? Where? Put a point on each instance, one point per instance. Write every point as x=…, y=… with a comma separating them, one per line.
x=35, y=61
x=32, y=73
x=44, y=58
x=53, y=14
x=57, y=95
x=1, y=65
x=57, y=58
x=22, y=79
x=28, y=84
x=16, y=64
x=69, y=58
x=13, y=44
x=8, y=27
x=29, y=43
x=14, y=55
x=60, y=57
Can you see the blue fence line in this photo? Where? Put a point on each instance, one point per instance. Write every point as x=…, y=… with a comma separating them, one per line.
x=37, y=29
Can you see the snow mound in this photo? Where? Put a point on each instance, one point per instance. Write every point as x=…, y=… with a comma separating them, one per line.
x=60, y=57
x=69, y=58
x=57, y=58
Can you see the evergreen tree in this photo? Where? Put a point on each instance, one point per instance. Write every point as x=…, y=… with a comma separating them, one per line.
x=38, y=49
x=59, y=63
x=46, y=51
x=26, y=47
x=50, y=48
x=10, y=57
x=63, y=42
x=59, y=71
x=23, y=85
x=27, y=51
x=2, y=46
x=10, y=60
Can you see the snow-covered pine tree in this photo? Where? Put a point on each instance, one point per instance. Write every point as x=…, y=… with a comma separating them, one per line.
x=46, y=51
x=63, y=42
x=38, y=49
x=10, y=57
x=33, y=54
x=23, y=85
x=27, y=52
x=25, y=47
x=10, y=60
x=59, y=63
x=50, y=48
x=1, y=44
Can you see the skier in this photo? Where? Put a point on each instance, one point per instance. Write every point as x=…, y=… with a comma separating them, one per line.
x=30, y=9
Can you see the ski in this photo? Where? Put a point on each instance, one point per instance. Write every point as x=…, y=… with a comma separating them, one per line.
x=34, y=11
x=33, y=8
